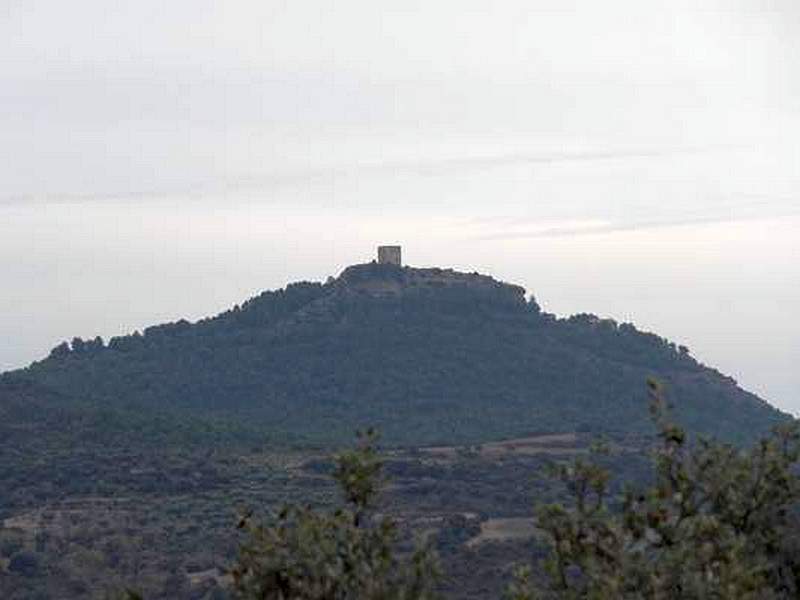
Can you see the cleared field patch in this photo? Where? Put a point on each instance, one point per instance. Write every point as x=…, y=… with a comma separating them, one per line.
x=214, y=574
x=503, y=530
x=556, y=444
x=67, y=515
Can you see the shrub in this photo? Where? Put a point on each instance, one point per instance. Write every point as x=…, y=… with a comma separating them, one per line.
x=347, y=554
x=718, y=522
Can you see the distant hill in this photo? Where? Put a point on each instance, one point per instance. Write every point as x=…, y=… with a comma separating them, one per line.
x=426, y=355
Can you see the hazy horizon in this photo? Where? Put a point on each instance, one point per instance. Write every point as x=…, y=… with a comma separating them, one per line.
x=633, y=160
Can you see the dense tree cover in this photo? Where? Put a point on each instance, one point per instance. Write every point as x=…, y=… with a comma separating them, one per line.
x=716, y=522
x=53, y=447
x=427, y=355
x=178, y=420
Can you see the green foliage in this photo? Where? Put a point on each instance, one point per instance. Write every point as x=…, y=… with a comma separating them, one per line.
x=427, y=355
x=347, y=554
x=432, y=357
x=358, y=473
x=710, y=520
x=717, y=522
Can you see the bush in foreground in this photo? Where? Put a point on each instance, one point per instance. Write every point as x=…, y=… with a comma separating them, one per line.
x=717, y=522
x=347, y=554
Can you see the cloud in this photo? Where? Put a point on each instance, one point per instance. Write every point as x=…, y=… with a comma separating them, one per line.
x=600, y=227
x=422, y=167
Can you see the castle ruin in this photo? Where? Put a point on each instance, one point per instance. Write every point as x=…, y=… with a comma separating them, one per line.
x=390, y=255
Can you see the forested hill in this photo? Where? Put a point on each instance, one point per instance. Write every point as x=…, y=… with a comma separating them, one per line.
x=426, y=355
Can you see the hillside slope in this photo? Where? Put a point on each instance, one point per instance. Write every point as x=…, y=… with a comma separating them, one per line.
x=426, y=355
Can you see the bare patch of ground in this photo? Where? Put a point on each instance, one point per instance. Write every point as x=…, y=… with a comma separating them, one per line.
x=501, y=530
x=556, y=444
x=213, y=574
x=66, y=515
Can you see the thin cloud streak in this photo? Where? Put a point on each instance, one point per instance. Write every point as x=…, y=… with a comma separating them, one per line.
x=611, y=227
x=430, y=167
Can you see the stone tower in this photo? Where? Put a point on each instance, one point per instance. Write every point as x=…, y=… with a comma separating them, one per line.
x=390, y=255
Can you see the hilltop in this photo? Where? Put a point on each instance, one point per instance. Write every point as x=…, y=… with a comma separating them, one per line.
x=426, y=355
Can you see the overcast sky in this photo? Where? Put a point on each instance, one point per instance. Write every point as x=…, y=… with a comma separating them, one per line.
x=638, y=159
